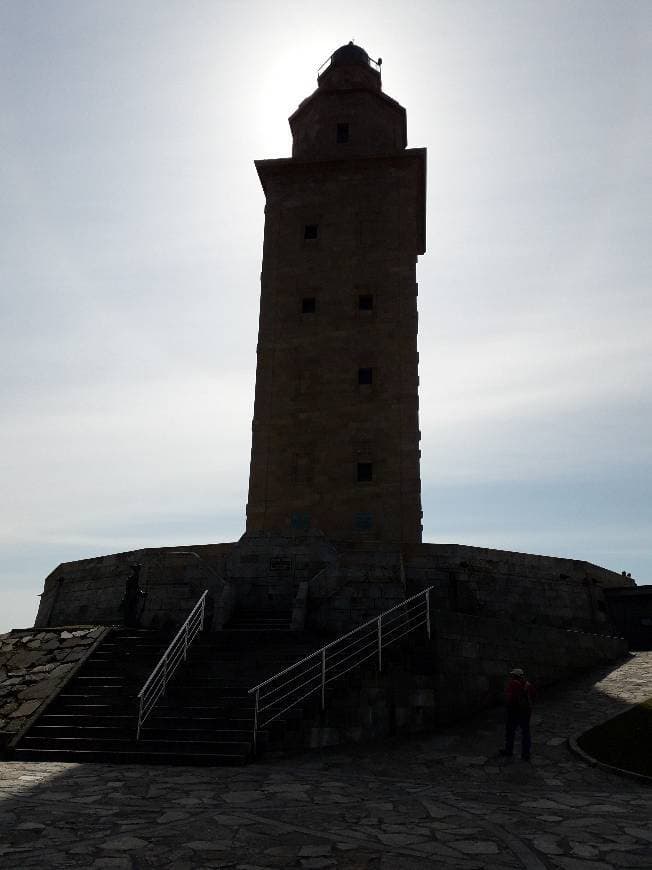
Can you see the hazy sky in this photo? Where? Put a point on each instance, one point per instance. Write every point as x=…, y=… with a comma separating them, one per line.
x=130, y=251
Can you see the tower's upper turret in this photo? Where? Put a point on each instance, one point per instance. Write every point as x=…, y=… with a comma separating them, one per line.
x=348, y=115
x=350, y=66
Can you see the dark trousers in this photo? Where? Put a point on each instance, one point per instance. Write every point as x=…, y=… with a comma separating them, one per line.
x=516, y=719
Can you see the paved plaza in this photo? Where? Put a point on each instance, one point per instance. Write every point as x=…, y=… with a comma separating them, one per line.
x=446, y=800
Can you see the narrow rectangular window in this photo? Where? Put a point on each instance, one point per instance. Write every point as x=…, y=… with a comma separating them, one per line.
x=310, y=231
x=365, y=376
x=364, y=521
x=365, y=472
x=308, y=305
x=365, y=302
x=300, y=521
x=342, y=133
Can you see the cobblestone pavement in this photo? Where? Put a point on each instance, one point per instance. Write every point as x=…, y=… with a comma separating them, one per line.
x=445, y=800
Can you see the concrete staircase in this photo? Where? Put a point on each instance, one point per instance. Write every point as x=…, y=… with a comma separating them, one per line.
x=206, y=716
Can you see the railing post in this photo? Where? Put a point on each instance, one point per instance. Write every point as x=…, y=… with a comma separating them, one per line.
x=256, y=718
x=428, y=612
x=380, y=643
x=203, y=611
x=165, y=672
x=323, y=678
x=185, y=643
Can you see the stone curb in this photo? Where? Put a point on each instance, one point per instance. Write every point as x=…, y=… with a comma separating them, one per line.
x=40, y=710
x=594, y=762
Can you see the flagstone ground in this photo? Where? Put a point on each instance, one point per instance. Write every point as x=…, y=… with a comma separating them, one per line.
x=444, y=800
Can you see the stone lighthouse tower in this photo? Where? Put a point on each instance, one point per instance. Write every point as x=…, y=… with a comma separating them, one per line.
x=336, y=419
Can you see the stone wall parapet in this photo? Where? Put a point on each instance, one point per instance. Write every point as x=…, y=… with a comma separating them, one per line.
x=34, y=666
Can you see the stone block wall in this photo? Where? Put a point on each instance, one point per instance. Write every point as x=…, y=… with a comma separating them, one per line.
x=266, y=569
x=262, y=570
x=474, y=654
x=171, y=580
x=537, y=590
x=34, y=665
x=346, y=583
x=631, y=611
x=314, y=421
x=362, y=583
x=522, y=588
x=462, y=669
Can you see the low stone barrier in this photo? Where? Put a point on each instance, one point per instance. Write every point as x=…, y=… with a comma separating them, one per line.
x=474, y=654
x=34, y=665
x=461, y=670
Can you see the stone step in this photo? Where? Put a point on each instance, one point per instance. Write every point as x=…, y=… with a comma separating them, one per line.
x=117, y=720
x=205, y=717
x=193, y=735
x=91, y=681
x=175, y=722
x=215, y=688
x=172, y=744
x=115, y=701
x=236, y=709
x=128, y=705
x=127, y=723
x=212, y=759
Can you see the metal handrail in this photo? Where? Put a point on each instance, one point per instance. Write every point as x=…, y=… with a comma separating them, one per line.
x=176, y=652
x=309, y=676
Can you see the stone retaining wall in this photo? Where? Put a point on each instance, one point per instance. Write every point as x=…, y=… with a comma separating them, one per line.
x=346, y=584
x=461, y=670
x=525, y=588
x=359, y=586
x=34, y=665
x=474, y=654
x=267, y=569
x=171, y=580
x=567, y=593
x=631, y=612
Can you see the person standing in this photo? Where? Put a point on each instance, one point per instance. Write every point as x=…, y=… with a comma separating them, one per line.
x=518, y=695
x=134, y=598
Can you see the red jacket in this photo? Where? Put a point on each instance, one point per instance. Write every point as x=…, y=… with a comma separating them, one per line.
x=519, y=694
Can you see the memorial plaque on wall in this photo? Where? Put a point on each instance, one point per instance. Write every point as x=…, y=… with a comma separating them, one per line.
x=282, y=563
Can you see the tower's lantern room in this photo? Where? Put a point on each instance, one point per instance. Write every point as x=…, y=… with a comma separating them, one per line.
x=335, y=442
x=348, y=109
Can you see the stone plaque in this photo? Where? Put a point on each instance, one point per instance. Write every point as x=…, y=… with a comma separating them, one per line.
x=281, y=563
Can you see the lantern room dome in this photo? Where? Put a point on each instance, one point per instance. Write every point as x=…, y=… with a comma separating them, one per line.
x=351, y=60
x=349, y=54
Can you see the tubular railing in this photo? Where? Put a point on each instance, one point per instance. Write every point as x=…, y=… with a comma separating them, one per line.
x=170, y=661
x=310, y=676
x=374, y=64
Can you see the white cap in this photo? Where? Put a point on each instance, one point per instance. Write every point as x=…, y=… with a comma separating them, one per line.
x=517, y=672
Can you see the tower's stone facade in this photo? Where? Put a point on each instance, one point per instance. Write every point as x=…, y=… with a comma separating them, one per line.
x=335, y=431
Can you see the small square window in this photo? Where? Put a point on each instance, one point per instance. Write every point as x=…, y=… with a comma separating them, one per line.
x=310, y=231
x=365, y=302
x=365, y=472
x=342, y=133
x=300, y=521
x=364, y=521
x=365, y=376
x=308, y=305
